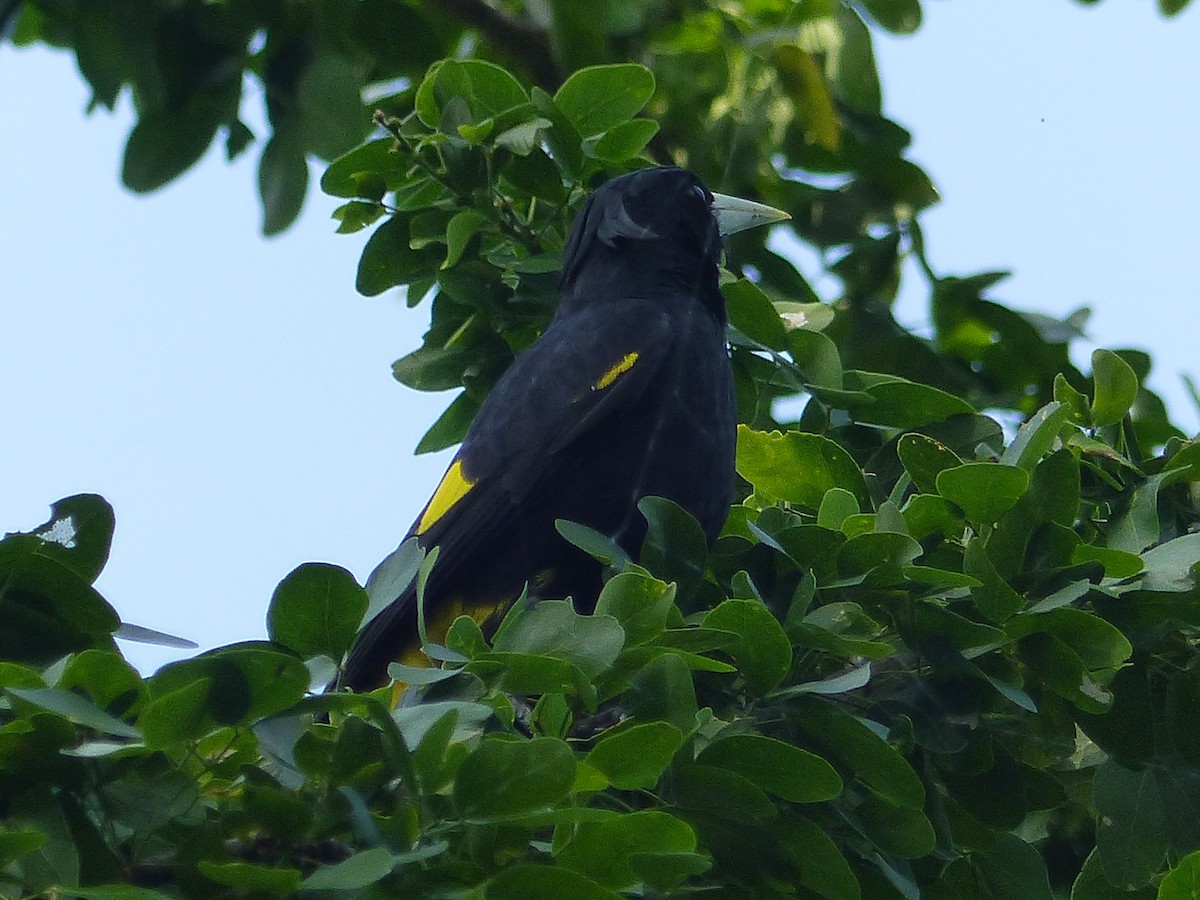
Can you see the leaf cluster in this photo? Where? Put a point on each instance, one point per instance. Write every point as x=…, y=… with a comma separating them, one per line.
x=970, y=677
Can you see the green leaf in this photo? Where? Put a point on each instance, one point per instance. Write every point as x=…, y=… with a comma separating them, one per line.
x=530, y=882
x=506, y=777
x=329, y=106
x=801, y=77
x=76, y=709
x=250, y=681
x=850, y=62
x=105, y=677
x=1117, y=563
x=392, y=576
x=553, y=629
x=924, y=459
x=451, y=426
x=284, y=814
x=1183, y=881
x=666, y=871
x=810, y=317
x=433, y=368
x=639, y=603
x=1011, y=869
x=906, y=404
x=316, y=610
x=595, y=544
x=796, y=466
x=1131, y=830
x=536, y=175
x=367, y=171
x=164, y=144
x=1092, y=884
x=78, y=534
x=675, y=547
x=837, y=505
x=116, y=892
x=282, y=182
x=634, y=758
x=1116, y=387
x=814, y=353
x=763, y=652
x=415, y=722
x=1077, y=403
x=18, y=842
x=842, y=683
x=776, y=767
x=1061, y=669
x=1035, y=438
x=928, y=514
x=983, y=491
x=602, y=850
x=1172, y=566
x=354, y=873
x=1052, y=499
x=388, y=261
x=598, y=98
x=563, y=137
x=523, y=139
x=882, y=551
x=46, y=609
x=419, y=674
x=752, y=313
x=663, y=691
x=486, y=88
x=721, y=793
x=463, y=226
x=532, y=674
x=1137, y=526
x=1100, y=645
x=842, y=628
x=873, y=760
x=933, y=622
x=823, y=868
x=625, y=140
x=252, y=877
x=898, y=830
x=897, y=16
x=177, y=715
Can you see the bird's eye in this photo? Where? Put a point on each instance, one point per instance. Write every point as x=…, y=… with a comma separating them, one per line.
x=700, y=192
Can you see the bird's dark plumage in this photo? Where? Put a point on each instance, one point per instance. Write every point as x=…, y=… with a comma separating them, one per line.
x=627, y=394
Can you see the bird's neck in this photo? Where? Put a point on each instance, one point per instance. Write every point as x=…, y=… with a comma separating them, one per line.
x=653, y=278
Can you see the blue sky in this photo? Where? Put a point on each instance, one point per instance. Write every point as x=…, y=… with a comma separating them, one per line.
x=232, y=396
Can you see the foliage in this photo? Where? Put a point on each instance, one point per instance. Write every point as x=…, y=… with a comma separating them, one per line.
x=192, y=67
x=932, y=654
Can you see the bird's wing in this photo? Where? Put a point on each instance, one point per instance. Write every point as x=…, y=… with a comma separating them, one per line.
x=584, y=368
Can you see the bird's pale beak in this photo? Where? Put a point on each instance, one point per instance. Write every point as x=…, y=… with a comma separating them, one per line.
x=733, y=214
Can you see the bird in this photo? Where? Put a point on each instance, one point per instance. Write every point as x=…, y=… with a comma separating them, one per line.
x=628, y=393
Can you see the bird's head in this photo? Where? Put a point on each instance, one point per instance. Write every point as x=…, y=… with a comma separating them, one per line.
x=653, y=231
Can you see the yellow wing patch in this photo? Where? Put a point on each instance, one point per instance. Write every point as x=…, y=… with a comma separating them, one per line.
x=626, y=363
x=436, y=627
x=453, y=487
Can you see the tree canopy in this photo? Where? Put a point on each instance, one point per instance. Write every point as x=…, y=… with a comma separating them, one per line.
x=944, y=647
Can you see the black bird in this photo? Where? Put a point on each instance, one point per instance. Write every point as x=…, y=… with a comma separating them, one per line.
x=628, y=394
